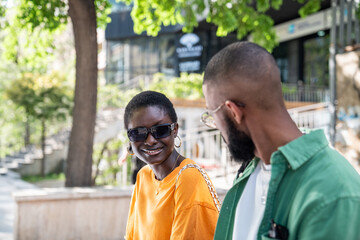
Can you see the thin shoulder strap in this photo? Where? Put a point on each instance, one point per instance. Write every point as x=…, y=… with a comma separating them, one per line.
x=207, y=180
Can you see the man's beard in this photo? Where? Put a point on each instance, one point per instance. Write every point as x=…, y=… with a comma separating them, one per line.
x=241, y=146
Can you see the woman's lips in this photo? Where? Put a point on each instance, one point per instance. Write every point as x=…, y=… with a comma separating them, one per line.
x=152, y=152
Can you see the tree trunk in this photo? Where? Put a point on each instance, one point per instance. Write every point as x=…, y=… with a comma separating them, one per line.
x=43, y=136
x=79, y=160
x=27, y=131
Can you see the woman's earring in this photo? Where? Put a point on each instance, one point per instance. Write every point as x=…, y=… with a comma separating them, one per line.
x=129, y=150
x=180, y=142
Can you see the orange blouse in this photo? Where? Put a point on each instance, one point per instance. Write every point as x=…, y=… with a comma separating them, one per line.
x=158, y=211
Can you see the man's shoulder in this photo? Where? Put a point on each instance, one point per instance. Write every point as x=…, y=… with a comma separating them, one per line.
x=328, y=173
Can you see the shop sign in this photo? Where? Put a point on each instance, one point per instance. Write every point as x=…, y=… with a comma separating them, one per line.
x=303, y=26
x=189, y=66
x=189, y=46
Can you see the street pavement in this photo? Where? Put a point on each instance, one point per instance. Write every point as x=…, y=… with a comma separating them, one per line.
x=9, y=183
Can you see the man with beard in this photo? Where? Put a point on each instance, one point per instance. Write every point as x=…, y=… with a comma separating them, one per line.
x=295, y=186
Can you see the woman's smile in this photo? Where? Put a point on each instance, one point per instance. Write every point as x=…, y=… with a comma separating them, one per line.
x=153, y=151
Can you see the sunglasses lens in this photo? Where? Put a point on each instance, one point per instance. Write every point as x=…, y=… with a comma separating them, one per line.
x=140, y=134
x=137, y=134
x=161, y=131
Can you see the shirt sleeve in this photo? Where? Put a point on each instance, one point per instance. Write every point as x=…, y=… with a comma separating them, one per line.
x=338, y=219
x=195, y=212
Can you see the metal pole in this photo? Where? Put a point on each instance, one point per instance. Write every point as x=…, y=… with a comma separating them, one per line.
x=349, y=22
x=341, y=24
x=332, y=74
x=357, y=35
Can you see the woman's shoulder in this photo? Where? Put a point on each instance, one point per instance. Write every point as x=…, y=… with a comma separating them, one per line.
x=145, y=171
x=190, y=171
x=187, y=161
x=194, y=185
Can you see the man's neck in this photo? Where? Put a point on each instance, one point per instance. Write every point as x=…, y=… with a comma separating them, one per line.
x=269, y=140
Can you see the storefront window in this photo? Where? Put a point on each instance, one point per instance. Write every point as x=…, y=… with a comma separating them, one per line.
x=316, y=58
x=281, y=55
x=115, y=63
x=167, y=48
x=152, y=56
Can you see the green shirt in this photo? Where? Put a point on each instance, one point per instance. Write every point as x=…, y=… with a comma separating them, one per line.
x=314, y=192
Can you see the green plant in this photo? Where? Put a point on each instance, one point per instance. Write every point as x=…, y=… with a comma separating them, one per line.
x=187, y=86
x=109, y=161
x=44, y=98
x=39, y=178
x=288, y=90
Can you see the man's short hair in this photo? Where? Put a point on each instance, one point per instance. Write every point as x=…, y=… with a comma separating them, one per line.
x=244, y=58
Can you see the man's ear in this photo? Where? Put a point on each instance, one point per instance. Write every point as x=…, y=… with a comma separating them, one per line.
x=235, y=111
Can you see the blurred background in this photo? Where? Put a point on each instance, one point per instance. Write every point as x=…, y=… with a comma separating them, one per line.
x=70, y=67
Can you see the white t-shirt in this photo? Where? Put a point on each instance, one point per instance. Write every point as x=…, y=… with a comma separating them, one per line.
x=251, y=206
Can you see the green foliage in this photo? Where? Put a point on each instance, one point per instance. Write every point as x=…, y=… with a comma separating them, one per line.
x=33, y=26
x=103, y=9
x=288, y=89
x=109, y=96
x=188, y=86
x=241, y=16
x=13, y=119
x=41, y=96
x=54, y=98
x=53, y=14
x=108, y=161
x=38, y=178
x=3, y=4
x=11, y=127
x=310, y=7
x=25, y=59
x=22, y=93
x=45, y=14
x=31, y=49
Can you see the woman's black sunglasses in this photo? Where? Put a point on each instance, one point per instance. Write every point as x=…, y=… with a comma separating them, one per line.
x=140, y=134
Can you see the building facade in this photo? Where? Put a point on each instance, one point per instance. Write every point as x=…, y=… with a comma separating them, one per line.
x=302, y=54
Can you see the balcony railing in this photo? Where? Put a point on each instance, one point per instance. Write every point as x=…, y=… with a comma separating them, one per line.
x=207, y=148
x=305, y=93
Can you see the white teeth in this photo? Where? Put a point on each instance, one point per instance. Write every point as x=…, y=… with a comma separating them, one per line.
x=152, y=152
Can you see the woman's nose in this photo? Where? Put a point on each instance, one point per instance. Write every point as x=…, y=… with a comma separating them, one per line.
x=150, y=140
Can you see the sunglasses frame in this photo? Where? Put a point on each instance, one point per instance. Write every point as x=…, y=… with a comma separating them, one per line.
x=151, y=130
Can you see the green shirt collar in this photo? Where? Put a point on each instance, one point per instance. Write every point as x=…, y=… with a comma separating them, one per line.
x=296, y=152
x=299, y=151
x=249, y=169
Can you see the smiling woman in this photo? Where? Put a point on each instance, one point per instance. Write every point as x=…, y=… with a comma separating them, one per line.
x=173, y=197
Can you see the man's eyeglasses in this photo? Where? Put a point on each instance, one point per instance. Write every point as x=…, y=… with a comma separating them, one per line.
x=208, y=119
x=140, y=134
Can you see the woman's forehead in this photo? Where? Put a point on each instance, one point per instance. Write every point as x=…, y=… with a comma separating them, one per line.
x=148, y=116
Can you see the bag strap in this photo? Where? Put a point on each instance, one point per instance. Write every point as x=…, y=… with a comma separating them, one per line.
x=207, y=180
